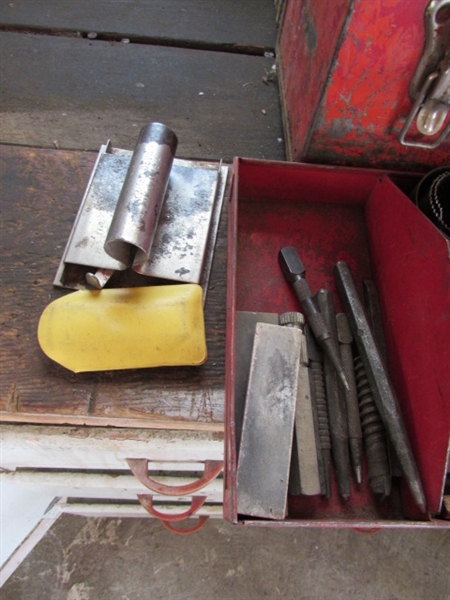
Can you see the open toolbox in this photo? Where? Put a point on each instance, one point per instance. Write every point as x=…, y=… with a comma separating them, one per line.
x=365, y=218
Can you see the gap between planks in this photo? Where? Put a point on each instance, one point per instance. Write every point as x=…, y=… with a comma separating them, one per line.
x=167, y=424
x=233, y=48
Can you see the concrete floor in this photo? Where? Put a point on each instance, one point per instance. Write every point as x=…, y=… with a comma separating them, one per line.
x=134, y=559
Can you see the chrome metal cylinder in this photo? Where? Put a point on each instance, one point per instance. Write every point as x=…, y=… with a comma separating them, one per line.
x=136, y=216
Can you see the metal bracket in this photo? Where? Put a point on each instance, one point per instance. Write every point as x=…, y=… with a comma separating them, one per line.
x=430, y=87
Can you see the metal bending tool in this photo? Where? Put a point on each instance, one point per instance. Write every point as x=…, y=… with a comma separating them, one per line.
x=382, y=390
x=294, y=273
x=133, y=226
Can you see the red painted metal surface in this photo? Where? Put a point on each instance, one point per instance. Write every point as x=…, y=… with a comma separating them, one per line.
x=278, y=204
x=411, y=267
x=139, y=468
x=310, y=34
x=359, y=110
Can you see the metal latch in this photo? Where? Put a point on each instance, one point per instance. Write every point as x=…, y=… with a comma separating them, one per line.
x=430, y=87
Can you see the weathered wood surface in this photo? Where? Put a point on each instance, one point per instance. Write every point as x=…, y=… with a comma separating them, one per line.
x=85, y=484
x=76, y=93
x=232, y=22
x=41, y=192
x=106, y=448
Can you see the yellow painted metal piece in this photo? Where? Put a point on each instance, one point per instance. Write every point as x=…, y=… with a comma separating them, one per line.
x=125, y=328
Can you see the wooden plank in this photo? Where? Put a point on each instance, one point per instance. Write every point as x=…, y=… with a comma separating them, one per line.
x=111, y=510
x=249, y=23
x=76, y=93
x=33, y=447
x=41, y=192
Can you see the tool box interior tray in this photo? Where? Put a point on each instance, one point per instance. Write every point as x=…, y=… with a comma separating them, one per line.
x=364, y=218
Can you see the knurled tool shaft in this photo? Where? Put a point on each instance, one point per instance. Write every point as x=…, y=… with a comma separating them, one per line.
x=382, y=390
x=336, y=403
x=319, y=402
x=351, y=396
x=374, y=435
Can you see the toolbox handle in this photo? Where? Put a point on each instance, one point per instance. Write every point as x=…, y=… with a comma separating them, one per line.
x=146, y=501
x=139, y=468
x=200, y=523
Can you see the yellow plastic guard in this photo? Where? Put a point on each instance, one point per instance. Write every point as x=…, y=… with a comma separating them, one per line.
x=130, y=328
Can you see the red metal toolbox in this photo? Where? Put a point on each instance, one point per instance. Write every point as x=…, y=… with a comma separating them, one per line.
x=362, y=217
x=345, y=69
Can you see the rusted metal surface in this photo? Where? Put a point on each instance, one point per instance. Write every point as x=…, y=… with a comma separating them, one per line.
x=139, y=468
x=186, y=231
x=201, y=521
x=146, y=501
x=306, y=45
x=133, y=227
x=360, y=109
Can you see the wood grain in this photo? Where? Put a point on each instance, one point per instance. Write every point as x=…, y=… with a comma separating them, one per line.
x=76, y=93
x=106, y=448
x=212, y=21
